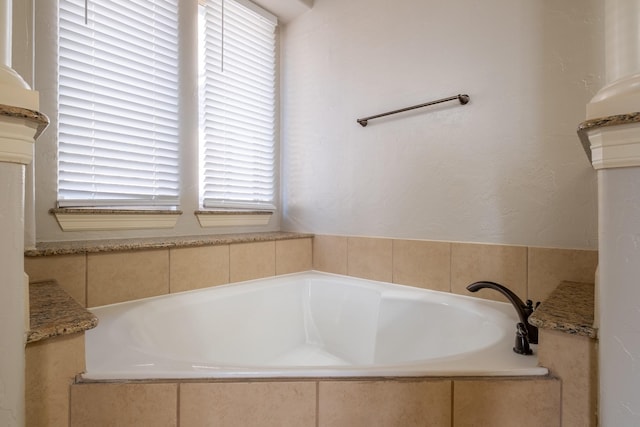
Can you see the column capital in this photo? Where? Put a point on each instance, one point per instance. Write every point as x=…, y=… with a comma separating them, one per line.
x=613, y=141
x=19, y=128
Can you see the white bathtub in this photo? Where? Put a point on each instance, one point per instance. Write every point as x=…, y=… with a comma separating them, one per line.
x=305, y=325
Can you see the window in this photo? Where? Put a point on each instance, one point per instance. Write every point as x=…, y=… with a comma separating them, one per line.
x=237, y=105
x=119, y=103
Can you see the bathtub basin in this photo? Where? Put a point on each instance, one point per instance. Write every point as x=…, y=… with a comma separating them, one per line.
x=305, y=325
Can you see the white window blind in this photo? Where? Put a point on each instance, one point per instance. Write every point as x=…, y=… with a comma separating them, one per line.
x=118, y=103
x=237, y=105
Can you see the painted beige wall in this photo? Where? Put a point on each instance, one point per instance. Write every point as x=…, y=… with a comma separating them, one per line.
x=506, y=168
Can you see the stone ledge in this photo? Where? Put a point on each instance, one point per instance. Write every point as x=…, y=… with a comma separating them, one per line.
x=116, y=245
x=53, y=313
x=569, y=309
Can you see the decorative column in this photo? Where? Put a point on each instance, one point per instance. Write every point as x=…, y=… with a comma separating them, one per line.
x=611, y=137
x=20, y=123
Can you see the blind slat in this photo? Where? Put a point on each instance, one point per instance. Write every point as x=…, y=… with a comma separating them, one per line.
x=118, y=98
x=118, y=101
x=237, y=101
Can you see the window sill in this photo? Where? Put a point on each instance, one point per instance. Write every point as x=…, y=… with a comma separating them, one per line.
x=114, y=219
x=209, y=219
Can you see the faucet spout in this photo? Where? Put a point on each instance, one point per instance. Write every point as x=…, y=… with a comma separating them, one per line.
x=523, y=310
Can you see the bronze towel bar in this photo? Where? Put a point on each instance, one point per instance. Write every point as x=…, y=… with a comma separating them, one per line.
x=462, y=98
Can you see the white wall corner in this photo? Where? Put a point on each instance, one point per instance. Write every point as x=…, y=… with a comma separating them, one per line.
x=286, y=10
x=308, y=3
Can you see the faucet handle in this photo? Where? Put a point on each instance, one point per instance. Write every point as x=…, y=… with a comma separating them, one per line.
x=522, y=342
x=531, y=306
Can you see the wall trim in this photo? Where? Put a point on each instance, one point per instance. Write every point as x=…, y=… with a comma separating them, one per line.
x=94, y=220
x=232, y=219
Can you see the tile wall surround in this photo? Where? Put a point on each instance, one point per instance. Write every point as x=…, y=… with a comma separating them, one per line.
x=574, y=359
x=405, y=402
x=51, y=367
x=95, y=278
x=531, y=272
x=103, y=277
x=568, y=347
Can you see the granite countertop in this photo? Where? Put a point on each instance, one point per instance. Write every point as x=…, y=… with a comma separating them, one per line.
x=93, y=211
x=95, y=246
x=569, y=309
x=53, y=312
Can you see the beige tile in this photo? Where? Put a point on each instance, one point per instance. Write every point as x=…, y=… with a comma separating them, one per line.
x=259, y=404
x=548, y=267
x=201, y=267
x=384, y=403
x=69, y=271
x=573, y=359
x=422, y=264
x=125, y=276
x=293, y=256
x=124, y=405
x=506, y=403
x=252, y=261
x=330, y=254
x=51, y=366
x=506, y=265
x=370, y=258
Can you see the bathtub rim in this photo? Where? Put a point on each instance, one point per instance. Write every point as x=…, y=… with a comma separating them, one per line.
x=407, y=369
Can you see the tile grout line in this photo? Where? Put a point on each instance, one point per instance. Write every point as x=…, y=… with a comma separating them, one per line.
x=229, y=264
x=450, y=267
x=317, y=423
x=168, y=271
x=275, y=258
x=561, y=415
x=86, y=280
x=453, y=412
x=179, y=388
x=69, y=403
x=526, y=277
x=393, y=254
x=347, y=256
